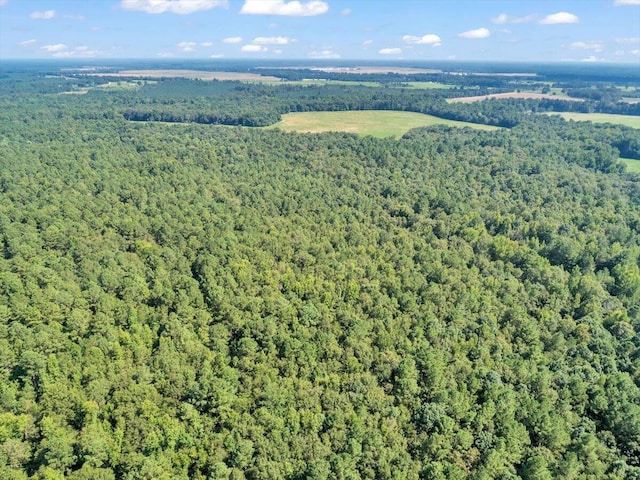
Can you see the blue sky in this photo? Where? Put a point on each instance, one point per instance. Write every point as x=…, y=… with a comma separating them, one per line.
x=482, y=30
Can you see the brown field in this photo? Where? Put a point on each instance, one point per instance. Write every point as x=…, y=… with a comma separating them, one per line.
x=404, y=70
x=510, y=95
x=193, y=74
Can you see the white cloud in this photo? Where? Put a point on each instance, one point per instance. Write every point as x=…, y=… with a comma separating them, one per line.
x=27, y=43
x=187, y=46
x=592, y=58
x=253, y=48
x=58, y=47
x=367, y=42
x=63, y=54
x=635, y=52
x=345, y=12
x=390, y=51
x=628, y=40
x=293, y=8
x=81, y=51
x=429, y=39
x=206, y=44
x=504, y=18
x=621, y=3
x=3, y=2
x=560, y=17
x=232, y=40
x=595, y=46
x=79, y=18
x=166, y=55
x=44, y=15
x=477, y=33
x=60, y=50
x=278, y=52
x=179, y=7
x=273, y=40
x=328, y=53
x=500, y=19
x=216, y=55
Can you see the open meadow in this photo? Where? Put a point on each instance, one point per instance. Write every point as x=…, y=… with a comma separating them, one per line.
x=632, y=164
x=532, y=95
x=377, y=123
x=628, y=120
x=191, y=74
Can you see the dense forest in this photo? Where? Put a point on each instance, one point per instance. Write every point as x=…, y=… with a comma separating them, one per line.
x=192, y=301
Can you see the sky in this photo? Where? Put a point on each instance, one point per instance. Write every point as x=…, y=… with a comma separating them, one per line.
x=417, y=30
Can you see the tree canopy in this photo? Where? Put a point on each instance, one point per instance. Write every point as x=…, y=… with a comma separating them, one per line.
x=197, y=301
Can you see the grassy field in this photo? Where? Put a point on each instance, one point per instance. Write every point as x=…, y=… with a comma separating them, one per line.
x=378, y=123
x=417, y=85
x=125, y=84
x=628, y=120
x=427, y=85
x=632, y=165
x=534, y=95
x=193, y=74
x=322, y=81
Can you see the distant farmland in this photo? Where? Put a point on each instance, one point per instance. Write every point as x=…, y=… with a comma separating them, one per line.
x=378, y=123
x=533, y=95
x=628, y=120
x=191, y=74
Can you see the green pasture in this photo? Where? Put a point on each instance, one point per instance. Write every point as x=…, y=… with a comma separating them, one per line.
x=427, y=85
x=632, y=165
x=322, y=82
x=363, y=83
x=628, y=120
x=377, y=123
x=124, y=84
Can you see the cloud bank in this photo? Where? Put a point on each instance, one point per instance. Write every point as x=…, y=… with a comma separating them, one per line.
x=475, y=34
x=187, y=46
x=390, y=51
x=293, y=8
x=595, y=46
x=253, y=48
x=45, y=15
x=560, y=17
x=58, y=47
x=429, y=39
x=504, y=18
x=273, y=40
x=328, y=53
x=179, y=7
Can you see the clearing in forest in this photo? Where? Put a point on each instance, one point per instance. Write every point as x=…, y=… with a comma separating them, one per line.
x=628, y=120
x=377, y=123
x=632, y=165
x=534, y=95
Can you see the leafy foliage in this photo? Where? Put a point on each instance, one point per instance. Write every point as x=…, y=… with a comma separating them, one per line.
x=190, y=301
